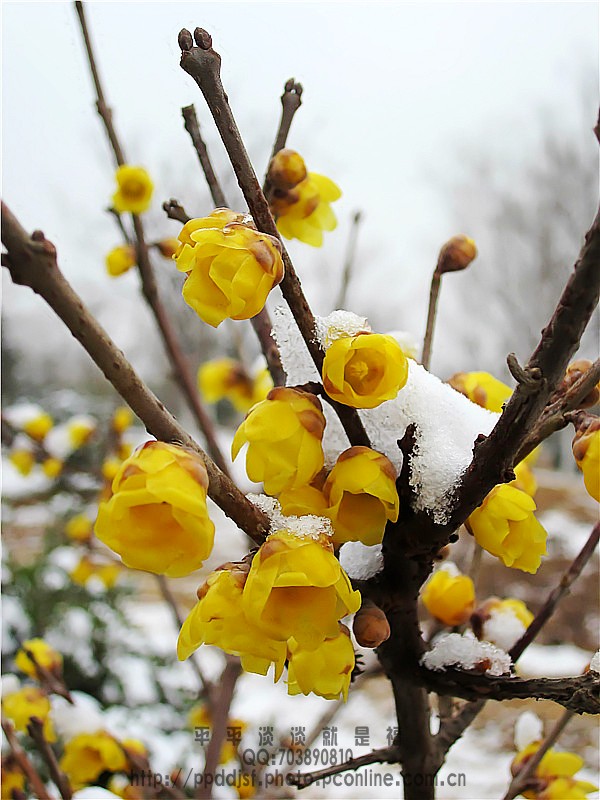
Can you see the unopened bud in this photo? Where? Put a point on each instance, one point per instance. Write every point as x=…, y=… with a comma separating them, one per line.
x=370, y=626
x=185, y=40
x=286, y=170
x=167, y=247
x=456, y=254
x=586, y=426
x=575, y=371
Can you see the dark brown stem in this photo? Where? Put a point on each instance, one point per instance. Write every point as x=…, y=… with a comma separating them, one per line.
x=349, y=260
x=291, y=100
x=386, y=755
x=32, y=262
x=36, y=731
x=36, y=784
x=519, y=782
x=174, y=210
x=434, y=292
x=192, y=126
x=203, y=64
x=219, y=723
x=48, y=679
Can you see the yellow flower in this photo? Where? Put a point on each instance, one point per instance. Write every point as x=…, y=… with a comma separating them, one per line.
x=586, y=450
x=22, y=460
x=12, y=777
x=218, y=618
x=363, y=371
x=25, y=703
x=80, y=430
x=284, y=433
x=505, y=526
x=120, y=260
x=167, y=247
x=449, y=598
x=110, y=467
x=52, y=467
x=226, y=378
x=301, y=200
x=482, y=388
x=297, y=588
x=525, y=479
x=262, y=385
x=79, y=528
x=83, y=571
x=134, y=192
x=37, y=427
x=122, y=419
x=361, y=496
x=230, y=266
x=45, y=656
x=107, y=573
x=325, y=671
x=553, y=777
x=88, y=755
x=156, y=518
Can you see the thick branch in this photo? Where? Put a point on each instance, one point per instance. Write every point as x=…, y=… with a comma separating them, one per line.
x=203, y=64
x=192, y=126
x=32, y=262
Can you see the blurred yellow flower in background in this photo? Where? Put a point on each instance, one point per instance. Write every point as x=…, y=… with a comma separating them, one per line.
x=25, y=703
x=482, y=388
x=120, y=260
x=134, y=192
x=45, y=656
x=227, y=378
x=38, y=426
x=87, y=755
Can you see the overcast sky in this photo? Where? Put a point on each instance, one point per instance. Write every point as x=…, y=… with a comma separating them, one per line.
x=394, y=92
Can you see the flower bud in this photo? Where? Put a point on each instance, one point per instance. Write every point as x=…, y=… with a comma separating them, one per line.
x=370, y=625
x=286, y=170
x=456, y=254
x=167, y=247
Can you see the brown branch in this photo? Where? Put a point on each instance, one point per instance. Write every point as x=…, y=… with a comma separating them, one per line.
x=434, y=291
x=219, y=722
x=203, y=64
x=192, y=126
x=349, y=261
x=32, y=262
x=25, y=765
x=385, y=755
x=36, y=731
x=174, y=210
x=519, y=782
x=291, y=100
x=578, y=693
x=179, y=362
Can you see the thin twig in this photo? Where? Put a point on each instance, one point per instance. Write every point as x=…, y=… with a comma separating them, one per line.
x=35, y=729
x=192, y=126
x=349, y=261
x=32, y=262
x=25, y=765
x=434, y=292
x=385, y=755
x=179, y=362
x=519, y=782
x=203, y=64
x=291, y=100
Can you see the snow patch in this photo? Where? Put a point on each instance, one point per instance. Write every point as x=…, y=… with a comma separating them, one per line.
x=503, y=628
x=465, y=651
x=339, y=325
x=360, y=561
x=595, y=662
x=528, y=729
x=85, y=716
x=308, y=526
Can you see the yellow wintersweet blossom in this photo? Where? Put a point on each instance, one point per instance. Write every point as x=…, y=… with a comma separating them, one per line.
x=122, y=419
x=134, y=192
x=230, y=266
x=12, y=777
x=87, y=568
x=52, y=467
x=586, y=450
x=325, y=671
x=525, y=479
x=226, y=378
x=110, y=467
x=482, y=388
x=37, y=427
x=365, y=370
x=218, y=618
x=505, y=526
x=300, y=200
x=120, y=260
x=79, y=528
x=25, y=703
x=449, y=598
x=553, y=777
x=87, y=755
x=361, y=496
x=45, y=656
x=22, y=460
x=156, y=518
x=284, y=435
x=297, y=588
x=80, y=430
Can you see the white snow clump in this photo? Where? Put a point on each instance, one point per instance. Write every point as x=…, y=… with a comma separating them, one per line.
x=466, y=652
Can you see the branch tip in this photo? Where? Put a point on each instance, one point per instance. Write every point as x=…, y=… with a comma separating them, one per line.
x=184, y=39
x=202, y=38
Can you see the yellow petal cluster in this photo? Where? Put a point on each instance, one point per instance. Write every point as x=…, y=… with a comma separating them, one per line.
x=80, y=430
x=553, y=778
x=586, y=450
x=226, y=378
x=12, y=778
x=22, y=460
x=134, y=190
x=297, y=588
x=482, y=388
x=284, y=435
x=52, y=467
x=122, y=419
x=218, y=618
x=505, y=526
x=325, y=671
x=38, y=426
x=45, y=656
x=156, y=518
x=449, y=598
x=88, y=755
x=120, y=260
x=25, y=703
x=230, y=266
x=300, y=200
x=365, y=370
x=79, y=528
x=87, y=568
